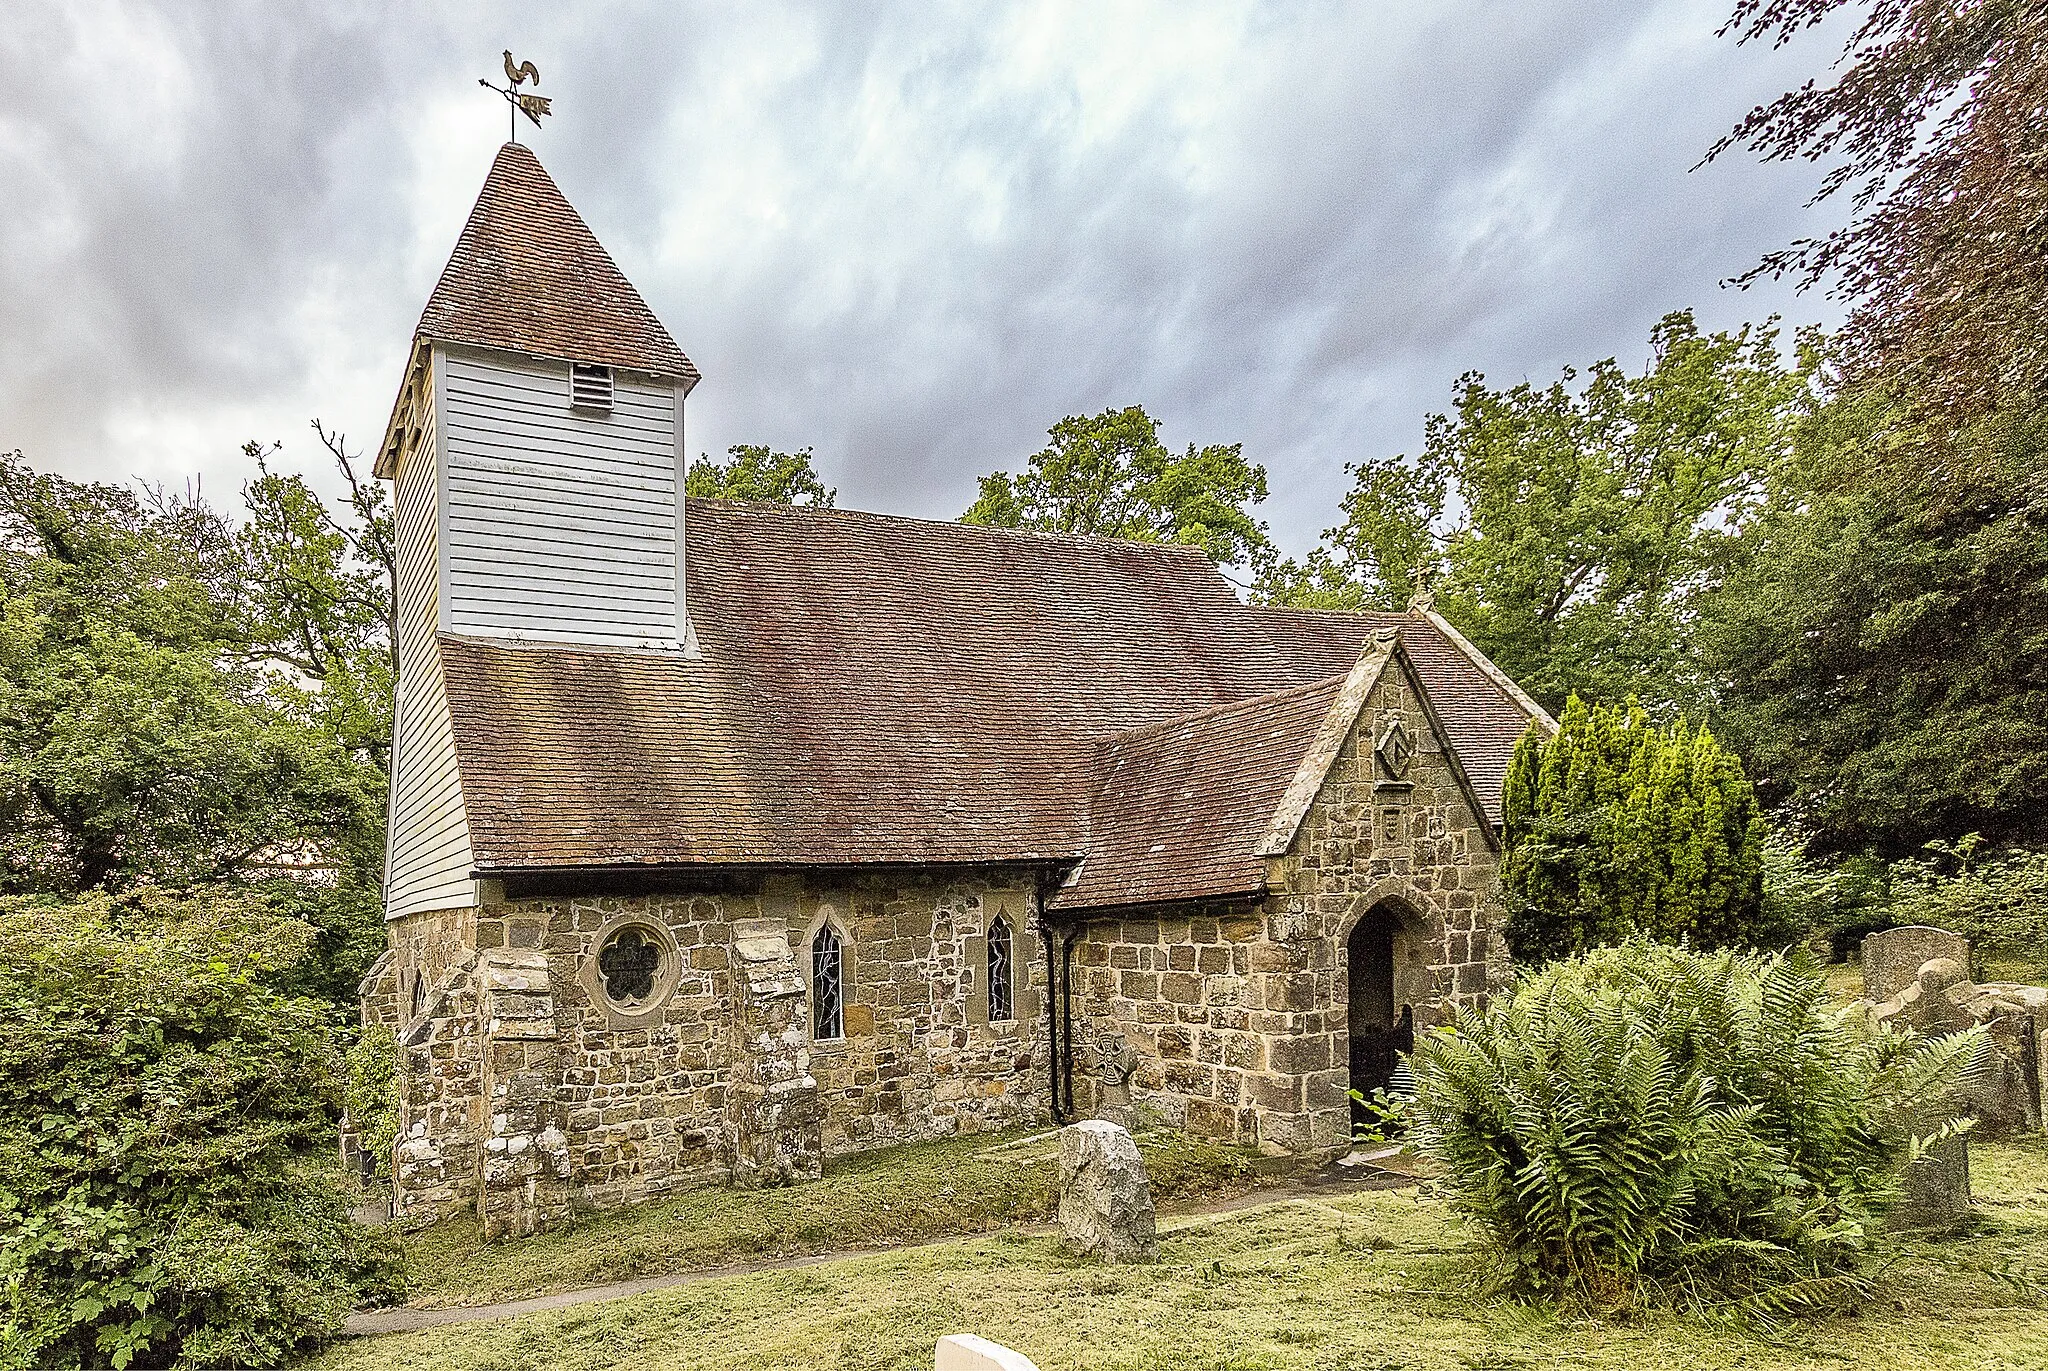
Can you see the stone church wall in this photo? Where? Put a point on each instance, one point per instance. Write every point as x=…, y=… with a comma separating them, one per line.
x=632, y=1107
x=1237, y=1014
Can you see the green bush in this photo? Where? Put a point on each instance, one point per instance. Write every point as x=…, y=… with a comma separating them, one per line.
x=1615, y=827
x=1999, y=902
x=373, y=1096
x=1839, y=900
x=168, y=1189
x=1651, y=1123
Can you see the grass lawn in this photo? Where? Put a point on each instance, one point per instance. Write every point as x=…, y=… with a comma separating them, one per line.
x=1368, y=1282
x=875, y=1199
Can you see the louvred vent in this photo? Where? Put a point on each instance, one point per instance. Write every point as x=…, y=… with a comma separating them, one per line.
x=590, y=387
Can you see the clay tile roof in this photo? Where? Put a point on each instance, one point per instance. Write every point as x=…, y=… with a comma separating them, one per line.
x=1481, y=721
x=528, y=275
x=1178, y=809
x=871, y=689
x=875, y=689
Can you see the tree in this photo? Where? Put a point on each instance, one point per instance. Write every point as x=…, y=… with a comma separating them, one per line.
x=1615, y=827
x=1886, y=669
x=186, y=702
x=1882, y=648
x=1937, y=124
x=168, y=1190
x=1568, y=529
x=758, y=474
x=1109, y=476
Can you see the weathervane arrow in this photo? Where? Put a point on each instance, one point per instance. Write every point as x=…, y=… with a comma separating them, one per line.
x=521, y=102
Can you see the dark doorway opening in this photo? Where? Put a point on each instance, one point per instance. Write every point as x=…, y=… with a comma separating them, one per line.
x=1381, y=1029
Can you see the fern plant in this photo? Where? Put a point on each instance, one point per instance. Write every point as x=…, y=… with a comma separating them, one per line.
x=1647, y=1121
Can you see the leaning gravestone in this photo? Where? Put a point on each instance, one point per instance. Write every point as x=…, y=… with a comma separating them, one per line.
x=1105, y=1197
x=1892, y=959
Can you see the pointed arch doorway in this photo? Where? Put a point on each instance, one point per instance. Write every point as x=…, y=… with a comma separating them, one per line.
x=1381, y=1028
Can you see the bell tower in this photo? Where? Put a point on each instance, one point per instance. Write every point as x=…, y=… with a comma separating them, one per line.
x=536, y=449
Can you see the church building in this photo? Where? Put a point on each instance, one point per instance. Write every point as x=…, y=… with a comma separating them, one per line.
x=727, y=837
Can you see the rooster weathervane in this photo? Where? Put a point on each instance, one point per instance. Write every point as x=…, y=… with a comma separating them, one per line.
x=520, y=102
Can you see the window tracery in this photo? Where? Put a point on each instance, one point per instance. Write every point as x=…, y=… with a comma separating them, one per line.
x=1001, y=960
x=828, y=981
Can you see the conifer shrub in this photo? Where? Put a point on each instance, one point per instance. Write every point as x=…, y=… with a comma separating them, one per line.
x=169, y=1190
x=1617, y=827
x=1652, y=1124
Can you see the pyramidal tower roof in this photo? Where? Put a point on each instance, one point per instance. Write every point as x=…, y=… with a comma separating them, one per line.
x=527, y=275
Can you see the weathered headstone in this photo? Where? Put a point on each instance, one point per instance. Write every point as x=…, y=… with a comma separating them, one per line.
x=967, y=1352
x=1892, y=959
x=1936, y=1190
x=1117, y=1063
x=1105, y=1207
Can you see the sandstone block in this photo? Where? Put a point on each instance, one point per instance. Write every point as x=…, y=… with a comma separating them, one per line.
x=1105, y=1205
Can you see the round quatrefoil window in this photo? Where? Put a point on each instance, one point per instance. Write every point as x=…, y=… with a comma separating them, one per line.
x=632, y=970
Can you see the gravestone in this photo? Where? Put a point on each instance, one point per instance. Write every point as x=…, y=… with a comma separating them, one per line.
x=771, y=1098
x=1936, y=1190
x=1892, y=959
x=1105, y=1207
x=967, y=1352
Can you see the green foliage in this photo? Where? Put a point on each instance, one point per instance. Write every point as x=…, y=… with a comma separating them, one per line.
x=1568, y=529
x=167, y=1191
x=1616, y=827
x=1998, y=901
x=1647, y=1122
x=1884, y=643
x=1388, y=1116
x=756, y=473
x=1109, y=476
x=372, y=1095
x=183, y=701
x=1841, y=900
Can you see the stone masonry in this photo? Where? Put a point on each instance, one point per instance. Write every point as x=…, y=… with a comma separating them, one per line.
x=1236, y=1012
x=523, y=1094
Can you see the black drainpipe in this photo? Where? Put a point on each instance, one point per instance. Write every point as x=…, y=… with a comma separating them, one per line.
x=1059, y=1012
x=1066, y=1059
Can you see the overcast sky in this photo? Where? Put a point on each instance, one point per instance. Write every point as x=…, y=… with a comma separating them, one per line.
x=909, y=236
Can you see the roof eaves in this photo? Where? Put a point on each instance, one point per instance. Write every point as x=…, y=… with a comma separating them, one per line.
x=1436, y=726
x=1329, y=741
x=385, y=466
x=1492, y=673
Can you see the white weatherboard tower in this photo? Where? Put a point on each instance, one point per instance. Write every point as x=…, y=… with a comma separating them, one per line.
x=536, y=447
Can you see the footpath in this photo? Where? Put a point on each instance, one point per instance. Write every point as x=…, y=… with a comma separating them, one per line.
x=408, y=1319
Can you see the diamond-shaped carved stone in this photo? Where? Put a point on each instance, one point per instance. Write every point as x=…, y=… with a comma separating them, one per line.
x=1395, y=749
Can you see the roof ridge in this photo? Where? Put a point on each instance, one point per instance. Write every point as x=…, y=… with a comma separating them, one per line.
x=1143, y=731
x=777, y=509
x=1315, y=611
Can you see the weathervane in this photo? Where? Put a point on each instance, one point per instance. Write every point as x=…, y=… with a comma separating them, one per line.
x=521, y=102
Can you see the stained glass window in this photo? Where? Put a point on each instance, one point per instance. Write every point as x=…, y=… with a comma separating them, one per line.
x=1000, y=1002
x=828, y=997
x=626, y=964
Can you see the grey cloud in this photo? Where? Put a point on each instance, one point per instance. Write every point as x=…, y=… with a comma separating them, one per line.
x=877, y=237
